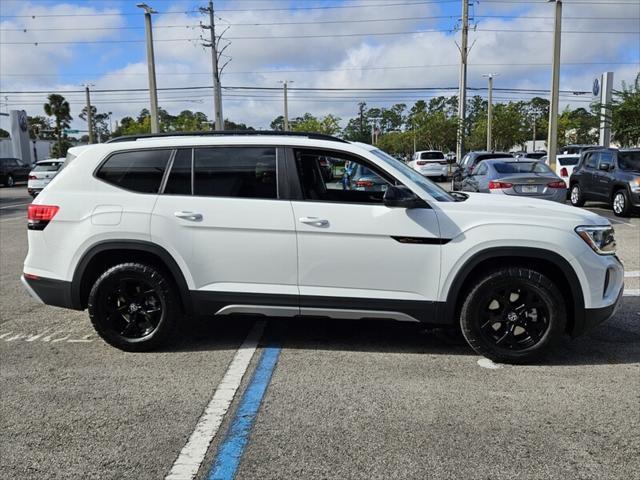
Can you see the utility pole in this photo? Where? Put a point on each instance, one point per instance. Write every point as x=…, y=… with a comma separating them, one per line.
x=490, y=76
x=89, y=113
x=462, y=94
x=552, y=141
x=217, y=88
x=535, y=119
x=286, y=103
x=151, y=65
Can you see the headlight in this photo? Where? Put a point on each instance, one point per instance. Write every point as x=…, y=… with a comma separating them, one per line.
x=635, y=185
x=599, y=238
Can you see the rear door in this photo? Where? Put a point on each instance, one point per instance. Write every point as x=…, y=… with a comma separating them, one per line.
x=354, y=253
x=586, y=175
x=220, y=215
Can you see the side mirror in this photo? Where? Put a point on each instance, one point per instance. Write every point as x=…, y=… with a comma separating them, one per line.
x=401, y=196
x=605, y=167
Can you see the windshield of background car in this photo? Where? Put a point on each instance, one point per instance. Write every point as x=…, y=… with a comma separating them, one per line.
x=567, y=161
x=431, y=156
x=47, y=167
x=521, y=167
x=438, y=193
x=629, y=160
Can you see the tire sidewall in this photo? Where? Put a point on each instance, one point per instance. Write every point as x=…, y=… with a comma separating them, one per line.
x=470, y=318
x=105, y=286
x=626, y=208
x=578, y=201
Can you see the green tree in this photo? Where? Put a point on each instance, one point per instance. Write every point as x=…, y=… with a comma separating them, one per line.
x=328, y=125
x=625, y=113
x=58, y=108
x=100, y=123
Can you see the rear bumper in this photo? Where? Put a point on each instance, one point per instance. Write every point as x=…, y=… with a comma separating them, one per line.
x=52, y=292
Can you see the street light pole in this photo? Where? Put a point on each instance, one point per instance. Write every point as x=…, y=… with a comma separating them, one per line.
x=462, y=94
x=552, y=141
x=490, y=76
x=151, y=64
x=89, y=114
x=286, y=104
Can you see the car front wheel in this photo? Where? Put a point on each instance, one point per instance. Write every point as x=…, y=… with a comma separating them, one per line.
x=134, y=307
x=9, y=182
x=513, y=315
x=576, y=198
x=621, y=204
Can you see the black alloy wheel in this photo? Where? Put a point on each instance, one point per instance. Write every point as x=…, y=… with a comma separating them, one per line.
x=513, y=315
x=133, y=307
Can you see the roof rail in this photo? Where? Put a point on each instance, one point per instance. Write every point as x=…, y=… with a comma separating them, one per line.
x=224, y=133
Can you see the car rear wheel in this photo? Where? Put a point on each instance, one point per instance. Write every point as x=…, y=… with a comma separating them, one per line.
x=133, y=307
x=621, y=204
x=576, y=198
x=513, y=315
x=9, y=182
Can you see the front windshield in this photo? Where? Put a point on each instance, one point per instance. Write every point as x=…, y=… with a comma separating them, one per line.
x=428, y=186
x=629, y=160
x=521, y=167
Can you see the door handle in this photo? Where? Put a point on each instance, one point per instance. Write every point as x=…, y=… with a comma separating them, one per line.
x=315, y=221
x=194, y=217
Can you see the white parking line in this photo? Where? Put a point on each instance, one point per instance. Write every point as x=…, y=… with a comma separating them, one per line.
x=188, y=462
x=632, y=274
x=631, y=292
x=13, y=206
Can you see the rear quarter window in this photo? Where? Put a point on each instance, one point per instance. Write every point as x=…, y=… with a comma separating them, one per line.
x=139, y=171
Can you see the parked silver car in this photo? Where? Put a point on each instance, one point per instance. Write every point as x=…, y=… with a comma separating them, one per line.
x=509, y=177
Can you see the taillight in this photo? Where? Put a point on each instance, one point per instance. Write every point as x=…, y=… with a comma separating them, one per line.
x=564, y=172
x=558, y=184
x=32, y=177
x=421, y=162
x=39, y=216
x=364, y=183
x=499, y=185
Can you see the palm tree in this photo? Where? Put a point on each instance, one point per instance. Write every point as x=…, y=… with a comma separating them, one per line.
x=59, y=108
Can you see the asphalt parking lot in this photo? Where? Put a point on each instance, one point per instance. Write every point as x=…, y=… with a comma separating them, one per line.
x=318, y=398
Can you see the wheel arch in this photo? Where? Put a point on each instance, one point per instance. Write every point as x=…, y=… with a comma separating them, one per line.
x=108, y=253
x=551, y=263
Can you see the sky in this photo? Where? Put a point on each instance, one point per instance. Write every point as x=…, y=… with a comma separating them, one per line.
x=55, y=46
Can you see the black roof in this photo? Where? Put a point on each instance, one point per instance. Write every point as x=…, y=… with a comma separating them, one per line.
x=228, y=133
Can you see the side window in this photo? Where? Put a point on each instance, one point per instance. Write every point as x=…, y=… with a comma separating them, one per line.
x=591, y=159
x=140, y=171
x=245, y=172
x=356, y=182
x=179, y=181
x=606, y=158
x=481, y=169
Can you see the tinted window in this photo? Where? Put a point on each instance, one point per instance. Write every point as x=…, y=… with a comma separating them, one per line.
x=432, y=156
x=521, y=167
x=590, y=160
x=606, y=158
x=481, y=169
x=246, y=172
x=629, y=160
x=140, y=171
x=47, y=167
x=179, y=181
x=568, y=161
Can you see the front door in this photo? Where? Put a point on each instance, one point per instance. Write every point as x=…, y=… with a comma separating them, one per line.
x=602, y=178
x=221, y=214
x=356, y=254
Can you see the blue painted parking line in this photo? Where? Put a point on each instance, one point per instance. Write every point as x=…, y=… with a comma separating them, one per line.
x=231, y=450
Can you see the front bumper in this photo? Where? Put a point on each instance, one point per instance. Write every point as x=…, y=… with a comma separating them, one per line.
x=595, y=316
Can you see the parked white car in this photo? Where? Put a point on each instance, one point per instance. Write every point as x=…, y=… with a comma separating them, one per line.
x=145, y=231
x=42, y=174
x=430, y=163
x=564, y=165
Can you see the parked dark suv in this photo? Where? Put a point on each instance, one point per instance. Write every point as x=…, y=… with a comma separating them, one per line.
x=608, y=175
x=469, y=161
x=13, y=170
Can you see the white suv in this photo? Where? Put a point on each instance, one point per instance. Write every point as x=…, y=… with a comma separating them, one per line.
x=146, y=231
x=430, y=163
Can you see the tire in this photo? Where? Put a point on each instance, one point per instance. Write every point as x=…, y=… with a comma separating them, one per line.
x=134, y=307
x=621, y=203
x=498, y=326
x=9, y=181
x=575, y=196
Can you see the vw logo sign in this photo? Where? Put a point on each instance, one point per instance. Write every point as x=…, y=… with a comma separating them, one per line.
x=22, y=120
x=596, y=87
